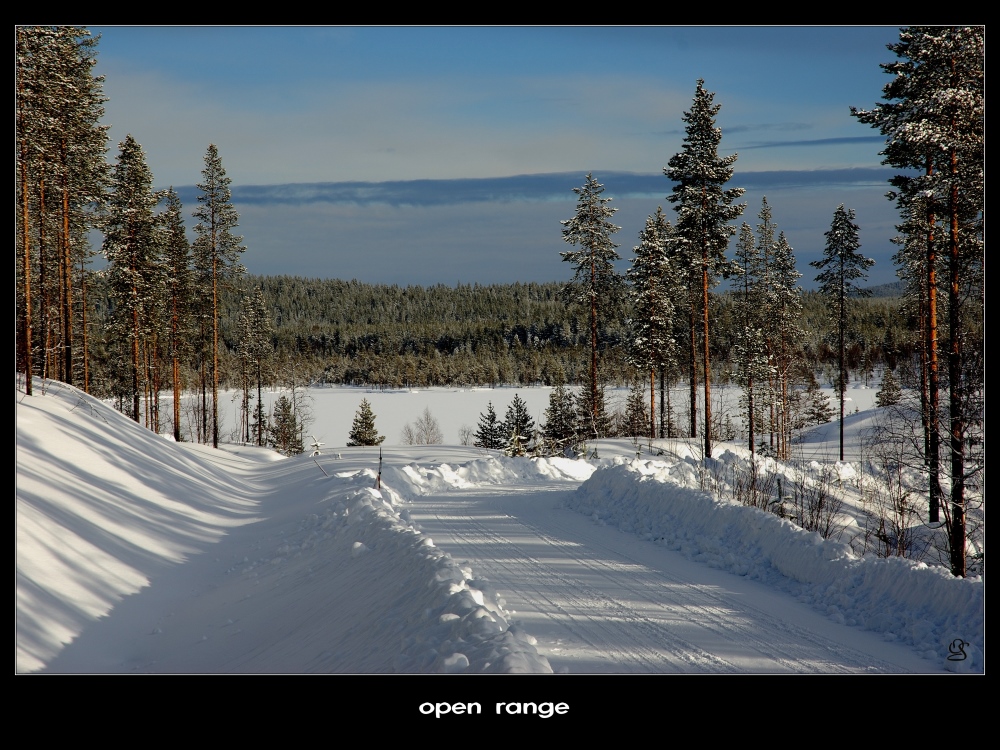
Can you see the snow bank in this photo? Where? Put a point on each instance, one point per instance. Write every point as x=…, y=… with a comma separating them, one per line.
x=442, y=619
x=904, y=600
x=321, y=573
x=491, y=470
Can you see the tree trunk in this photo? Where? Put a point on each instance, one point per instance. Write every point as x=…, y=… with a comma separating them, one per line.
x=933, y=394
x=841, y=379
x=215, y=349
x=26, y=240
x=67, y=285
x=652, y=403
x=694, y=369
x=955, y=388
x=707, y=367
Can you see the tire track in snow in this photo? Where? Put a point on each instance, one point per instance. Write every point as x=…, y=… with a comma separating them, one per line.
x=610, y=627
x=626, y=614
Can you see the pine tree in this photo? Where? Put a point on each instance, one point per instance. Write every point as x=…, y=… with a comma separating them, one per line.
x=255, y=347
x=489, y=433
x=217, y=251
x=636, y=416
x=61, y=175
x=595, y=284
x=785, y=314
x=285, y=434
x=518, y=426
x=132, y=246
x=934, y=120
x=363, y=430
x=814, y=406
x=750, y=350
x=179, y=292
x=560, y=419
x=840, y=269
x=889, y=394
x=654, y=279
x=704, y=209
x=592, y=419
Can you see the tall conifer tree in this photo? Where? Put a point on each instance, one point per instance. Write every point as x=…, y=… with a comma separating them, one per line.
x=61, y=175
x=131, y=246
x=840, y=269
x=179, y=292
x=704, y=209
x=933, y=118
x=217, y=252
x=654, y=281
x=595, y=284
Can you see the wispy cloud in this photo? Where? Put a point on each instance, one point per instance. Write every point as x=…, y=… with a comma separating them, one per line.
x=555, y=186
x=851, y=140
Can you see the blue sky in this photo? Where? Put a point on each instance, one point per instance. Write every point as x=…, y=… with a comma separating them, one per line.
x=448, y=154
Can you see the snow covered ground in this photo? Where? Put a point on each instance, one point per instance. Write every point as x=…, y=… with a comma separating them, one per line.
x=139, y=555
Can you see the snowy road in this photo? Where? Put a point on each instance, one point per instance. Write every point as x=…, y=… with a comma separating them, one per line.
x=600, y=601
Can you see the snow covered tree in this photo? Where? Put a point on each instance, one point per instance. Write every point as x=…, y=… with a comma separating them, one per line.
x=560, y=419
x=518, y=426
x=785, y=314
x=933, y=118
x=595, y=284
x=217, y=251
x=489, y=433
x=750, y=350
x=704, y=209
x=840, y=269
x=179, y=293
x=131, y=246
x=889, y=394
x=363, y=430
x=255, y=347
x=636, y=416
x=285, y=435
x=654, y=280
x=61, y=175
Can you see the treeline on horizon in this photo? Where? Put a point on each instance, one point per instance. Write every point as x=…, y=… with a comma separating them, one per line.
x=330, y=331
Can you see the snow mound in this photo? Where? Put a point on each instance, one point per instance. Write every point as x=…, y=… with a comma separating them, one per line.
x=492, y=470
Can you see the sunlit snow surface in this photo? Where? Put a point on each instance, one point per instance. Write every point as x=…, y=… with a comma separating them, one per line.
x=136, y=554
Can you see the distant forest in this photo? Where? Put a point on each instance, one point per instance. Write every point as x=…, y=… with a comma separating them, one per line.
x=348, y=332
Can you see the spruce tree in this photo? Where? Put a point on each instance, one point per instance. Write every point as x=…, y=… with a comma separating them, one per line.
x=596, y=284
x=363, y=430
x=256, y=347
x=180, y=293
x=704, y=209
x=131, y=246
x=217, y=252
x=785, y=306
x=889, y=394
x=518, y=426
x=750, y=348
x=636, y=416
x=489, y=433
x=560, y=419
x=841, y=267
x=285, y=434
x=654, y=280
